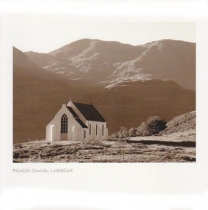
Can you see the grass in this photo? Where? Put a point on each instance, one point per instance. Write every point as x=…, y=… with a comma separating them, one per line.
x=106, y=151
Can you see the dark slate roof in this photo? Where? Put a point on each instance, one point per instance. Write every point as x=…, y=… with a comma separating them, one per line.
x=76, y=117
x=89, y=112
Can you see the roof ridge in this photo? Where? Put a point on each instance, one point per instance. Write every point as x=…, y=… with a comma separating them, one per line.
x=82, y=103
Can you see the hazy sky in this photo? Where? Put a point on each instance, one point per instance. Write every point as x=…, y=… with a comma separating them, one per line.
x=44, y=33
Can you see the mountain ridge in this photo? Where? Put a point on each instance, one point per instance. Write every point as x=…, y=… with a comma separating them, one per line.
x=109, y=62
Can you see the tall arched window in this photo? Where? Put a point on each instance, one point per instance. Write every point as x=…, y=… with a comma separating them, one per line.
x=64, y=124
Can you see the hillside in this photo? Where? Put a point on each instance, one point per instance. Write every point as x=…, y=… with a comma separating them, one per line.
x=182, y=123
x=133, y=102
x=112, y=63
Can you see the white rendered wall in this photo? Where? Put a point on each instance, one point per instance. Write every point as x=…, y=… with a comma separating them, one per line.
x=75, y=131
x=99, y=135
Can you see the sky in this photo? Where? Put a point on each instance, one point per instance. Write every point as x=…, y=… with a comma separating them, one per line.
x=45, y=33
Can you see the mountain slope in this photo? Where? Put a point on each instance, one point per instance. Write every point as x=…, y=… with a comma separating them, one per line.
x=131, y=103
x=110, y=63
x=182, y=123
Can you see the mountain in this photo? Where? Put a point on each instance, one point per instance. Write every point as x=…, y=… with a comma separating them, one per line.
x=38, y=95
x=20, y=60
x=111, y=63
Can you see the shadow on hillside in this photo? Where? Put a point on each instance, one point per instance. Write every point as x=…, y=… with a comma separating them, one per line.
x=167, y=143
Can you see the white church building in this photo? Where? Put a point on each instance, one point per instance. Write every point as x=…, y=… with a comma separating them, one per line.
x=77, y=122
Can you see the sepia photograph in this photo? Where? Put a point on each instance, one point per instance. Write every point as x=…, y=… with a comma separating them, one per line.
x=103, y=92
x=103, y=105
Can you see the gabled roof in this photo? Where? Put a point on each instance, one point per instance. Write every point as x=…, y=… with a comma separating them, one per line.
x=89, y=112
x=76, y=117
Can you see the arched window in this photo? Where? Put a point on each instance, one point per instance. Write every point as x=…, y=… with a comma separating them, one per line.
x=64, y=124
